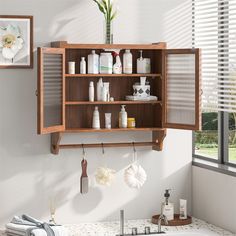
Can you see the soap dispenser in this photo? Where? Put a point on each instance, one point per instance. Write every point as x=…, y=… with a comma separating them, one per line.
x=123, y=118
x=167, y=207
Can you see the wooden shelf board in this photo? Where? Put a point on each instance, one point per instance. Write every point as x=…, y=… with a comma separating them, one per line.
x=64, y=44
x=111, y=75
x=75, y=130
x=73, y=103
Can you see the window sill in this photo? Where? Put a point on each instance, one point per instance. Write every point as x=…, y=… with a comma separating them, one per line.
x=224, y=169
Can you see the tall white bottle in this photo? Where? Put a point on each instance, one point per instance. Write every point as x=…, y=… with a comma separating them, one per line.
x=93, y=63
x=99, y=89
x=127, y=62
x=123, y=117
x=82, y=66
x=91, y=91
x=168, y=207
x=96, y=119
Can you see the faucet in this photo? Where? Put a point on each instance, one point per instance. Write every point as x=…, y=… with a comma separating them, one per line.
x=122, y=222
x=161, y=217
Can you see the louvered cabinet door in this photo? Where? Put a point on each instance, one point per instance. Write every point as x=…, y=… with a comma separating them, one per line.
x=51, y=90
x=182, y=98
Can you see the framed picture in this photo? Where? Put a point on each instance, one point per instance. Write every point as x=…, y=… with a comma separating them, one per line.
x=16, y=41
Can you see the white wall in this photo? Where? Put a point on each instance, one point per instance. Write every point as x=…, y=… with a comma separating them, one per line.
x=30, y=175
x=214, y=197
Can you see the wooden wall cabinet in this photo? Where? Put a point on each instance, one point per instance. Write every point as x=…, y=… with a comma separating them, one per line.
x=63, y=105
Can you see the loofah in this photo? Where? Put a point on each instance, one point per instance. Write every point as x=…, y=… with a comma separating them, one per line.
x=135, y=176
x=104, y=176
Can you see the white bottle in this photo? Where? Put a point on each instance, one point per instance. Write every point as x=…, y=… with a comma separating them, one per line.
x=91, y=91
x=117, y=67
x=167, y=207
x=82, y=66
x=141, y=64
x=96, y=119
x=123, y=118
x=127, y=62
x=99, y=89
x=182, y=209
x=71, y=67
x=93, y=62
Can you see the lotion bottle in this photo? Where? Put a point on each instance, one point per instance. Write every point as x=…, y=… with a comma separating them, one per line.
x=182, y=209
x=93, y=62
x=167, y=207
x=99, y=89
x=123, y=118
x=91, y=91
x=127, y=62
x=96, y=119
x=82, y=66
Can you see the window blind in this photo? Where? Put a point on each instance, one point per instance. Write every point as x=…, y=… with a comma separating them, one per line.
x=214, y=31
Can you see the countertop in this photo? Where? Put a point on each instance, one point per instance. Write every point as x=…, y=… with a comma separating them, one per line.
x=111, y=228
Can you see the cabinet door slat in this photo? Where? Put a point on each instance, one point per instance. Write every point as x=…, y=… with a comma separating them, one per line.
x=182, y=89
x=51, y=88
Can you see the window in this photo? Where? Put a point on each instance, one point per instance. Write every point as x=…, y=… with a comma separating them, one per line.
x=214, y=31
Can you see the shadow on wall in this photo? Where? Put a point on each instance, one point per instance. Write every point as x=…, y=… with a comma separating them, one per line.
x=171, y=26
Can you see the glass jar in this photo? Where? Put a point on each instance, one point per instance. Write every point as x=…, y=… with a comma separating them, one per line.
x=106, y=63
x=131, y=123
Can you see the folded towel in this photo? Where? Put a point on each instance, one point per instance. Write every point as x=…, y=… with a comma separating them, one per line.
x=20, y=230
x=29, y=226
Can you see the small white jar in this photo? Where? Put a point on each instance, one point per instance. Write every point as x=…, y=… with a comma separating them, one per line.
x=106, y=63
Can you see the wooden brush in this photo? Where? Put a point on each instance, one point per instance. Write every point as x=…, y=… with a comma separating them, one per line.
x=84, y=178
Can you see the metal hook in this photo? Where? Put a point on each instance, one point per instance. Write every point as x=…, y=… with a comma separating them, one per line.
x=134, y=149
x=103, y=151
x=83, y=151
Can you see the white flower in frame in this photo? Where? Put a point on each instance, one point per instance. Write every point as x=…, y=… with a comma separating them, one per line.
x=11, y=41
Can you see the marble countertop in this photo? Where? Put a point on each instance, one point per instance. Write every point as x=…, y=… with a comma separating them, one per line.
x=111, y=228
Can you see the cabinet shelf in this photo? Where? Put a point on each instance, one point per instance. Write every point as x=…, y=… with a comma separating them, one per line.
x=154, y=75
x=90, y=130
x=74, y=103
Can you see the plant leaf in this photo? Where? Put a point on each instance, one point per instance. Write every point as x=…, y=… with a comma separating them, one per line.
x=113, y=15
x=100, y=6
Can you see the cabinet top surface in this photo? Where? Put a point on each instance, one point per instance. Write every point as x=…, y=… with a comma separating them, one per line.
x=64, y=44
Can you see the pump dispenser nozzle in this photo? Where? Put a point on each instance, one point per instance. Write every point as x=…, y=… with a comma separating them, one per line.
x=167, y=195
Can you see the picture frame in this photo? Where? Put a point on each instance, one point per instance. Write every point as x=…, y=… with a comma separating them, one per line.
x=16, y=41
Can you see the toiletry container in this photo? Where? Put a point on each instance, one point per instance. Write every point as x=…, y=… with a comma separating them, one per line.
x=105, y=92
x=96, y=119
x=123, y=117
x=71, y=67
x=142, y=89
x=99, y=89
x=183, y=209
x=143, y=64
x=127, y=62
x=108, y=120
x=106, y=63
x=117, y=67
x=91, y=91
x=93, y=63
x=167, y=207
x=82, y=66
x=131, y=123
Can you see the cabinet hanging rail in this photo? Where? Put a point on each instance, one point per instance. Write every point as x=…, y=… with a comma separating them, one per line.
x=98, y=145
x=156, y=143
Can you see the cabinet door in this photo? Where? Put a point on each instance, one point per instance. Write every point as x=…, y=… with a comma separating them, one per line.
x=51, y=90
x=182, y=98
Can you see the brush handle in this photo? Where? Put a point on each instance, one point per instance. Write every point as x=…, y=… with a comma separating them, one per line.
x=84, y=165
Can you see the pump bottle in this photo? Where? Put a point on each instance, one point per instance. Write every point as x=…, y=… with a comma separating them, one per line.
x=167, y=207
x=123, y=117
